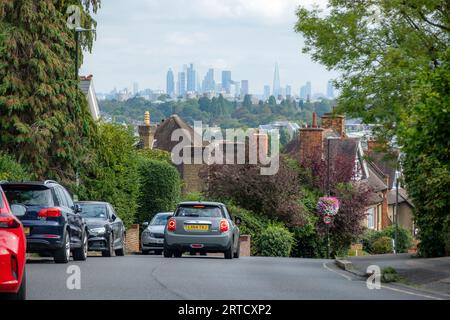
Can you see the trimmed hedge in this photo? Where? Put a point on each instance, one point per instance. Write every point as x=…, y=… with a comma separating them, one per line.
x=404, y=238
x=382, y=245
x=275, y=241
x=160, y=188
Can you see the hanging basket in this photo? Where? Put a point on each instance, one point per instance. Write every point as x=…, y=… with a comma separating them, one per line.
x=328, y=206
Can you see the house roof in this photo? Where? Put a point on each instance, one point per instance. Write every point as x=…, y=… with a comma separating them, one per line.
x=87, y=87
x=402, y=197
x=386, y=162
x=163, y=133
x=375, y=179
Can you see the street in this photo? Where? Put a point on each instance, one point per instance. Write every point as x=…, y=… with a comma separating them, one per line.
x=154, y=277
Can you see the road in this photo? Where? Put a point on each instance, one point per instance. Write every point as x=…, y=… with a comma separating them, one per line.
x=154, y=277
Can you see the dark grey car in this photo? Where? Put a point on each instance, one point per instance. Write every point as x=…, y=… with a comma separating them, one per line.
x=152, y=238
x=201, y=227
x=106, y=229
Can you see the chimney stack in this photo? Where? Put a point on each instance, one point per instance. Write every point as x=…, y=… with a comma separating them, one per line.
x=145, y=132
x=311, y=141
x=334, y=121
x=314, y=124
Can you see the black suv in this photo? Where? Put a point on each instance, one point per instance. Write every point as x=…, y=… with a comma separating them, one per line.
x=52, y=223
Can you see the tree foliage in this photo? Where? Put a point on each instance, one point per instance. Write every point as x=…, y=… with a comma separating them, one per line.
x=425, y=138
x=44, y=118
x=11, y=170
x=113, y=176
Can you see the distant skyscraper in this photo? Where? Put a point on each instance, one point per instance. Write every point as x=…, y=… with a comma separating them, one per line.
x=135, y=89
x=191, y=79
x=330, y=90
x=170, y=83
x=308, y=91
x=266, y=92
x=181, y=84
x=288, y=91
x=276, y=82
x=244, y=87
x=208, y=82
x=226, y=81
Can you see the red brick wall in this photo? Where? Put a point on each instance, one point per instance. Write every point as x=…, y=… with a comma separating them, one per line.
x=245, y=246
x=335, y=122
x=132, y=239
x=311, y=143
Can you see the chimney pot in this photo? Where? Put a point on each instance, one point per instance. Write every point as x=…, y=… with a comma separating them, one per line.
x=314, y=124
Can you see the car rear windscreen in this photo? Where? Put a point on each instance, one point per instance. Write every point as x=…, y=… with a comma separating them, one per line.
x=28, y=195
x=200, y=211
x=96, y=211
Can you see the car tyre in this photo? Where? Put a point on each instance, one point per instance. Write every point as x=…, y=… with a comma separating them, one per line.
x=167, y=253
x=62, y=255
x=238, y=250
x=121, y=252
x=110, y=252
x=229, y=253
x=177, y=254
x=80, y=254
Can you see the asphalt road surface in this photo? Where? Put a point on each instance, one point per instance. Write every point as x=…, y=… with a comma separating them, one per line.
x=204, y=278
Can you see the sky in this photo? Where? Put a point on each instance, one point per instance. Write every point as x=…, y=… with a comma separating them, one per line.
x=139, y=40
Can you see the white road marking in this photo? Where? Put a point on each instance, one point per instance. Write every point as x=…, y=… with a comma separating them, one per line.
x=385, y=286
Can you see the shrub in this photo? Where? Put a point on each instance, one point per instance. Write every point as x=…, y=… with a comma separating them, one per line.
x=382, y=245
x=160, y=188
x=389, y=274
x=368, y=238
x=11, y=170
x=275, y=241
x=194, y=196
x=404, y=238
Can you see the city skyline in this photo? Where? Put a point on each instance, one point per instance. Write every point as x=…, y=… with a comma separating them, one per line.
x=242, y=36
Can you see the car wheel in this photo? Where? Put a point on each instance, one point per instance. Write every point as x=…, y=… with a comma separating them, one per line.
x=62, y=255
x=121, y=252
x=238, y=250
x=229, y=253
x=110, y=252
x=167, y=253
x=177, y=254
x=80, y=254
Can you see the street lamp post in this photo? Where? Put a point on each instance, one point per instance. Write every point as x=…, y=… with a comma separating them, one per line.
x=77, y=31
x=397, y=185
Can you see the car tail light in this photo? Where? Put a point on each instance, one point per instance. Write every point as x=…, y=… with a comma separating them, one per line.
x=8, y=221
x=50, y=213
x=224, y=226
x=172, y=225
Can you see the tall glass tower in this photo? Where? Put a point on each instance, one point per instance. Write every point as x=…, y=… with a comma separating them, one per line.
x=276, y=82
x=170, y=83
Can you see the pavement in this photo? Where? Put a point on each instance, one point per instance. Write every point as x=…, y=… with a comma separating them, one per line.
x=201, y=278
x=431, y=274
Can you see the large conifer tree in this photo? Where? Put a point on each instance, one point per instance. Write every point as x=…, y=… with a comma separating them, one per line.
x=44, y=118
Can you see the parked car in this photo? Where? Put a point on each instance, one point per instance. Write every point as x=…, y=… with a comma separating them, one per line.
x=12, y=251
x=106, y=229
x=201, y=227
x=52, y=222
x=152, y=238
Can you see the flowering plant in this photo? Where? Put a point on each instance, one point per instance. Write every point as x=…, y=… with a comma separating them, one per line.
x=328, y=206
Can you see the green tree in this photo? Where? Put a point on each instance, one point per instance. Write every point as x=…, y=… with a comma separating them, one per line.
x=114, y=176
x=425, y=138
x=160, y=188
x=44, y=118
x=378, y=46
x=247, y=101
x=11, y=170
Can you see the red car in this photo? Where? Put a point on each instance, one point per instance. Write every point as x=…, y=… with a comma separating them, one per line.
x=12, y=251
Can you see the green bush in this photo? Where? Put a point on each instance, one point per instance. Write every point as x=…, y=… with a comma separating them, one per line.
x=194, y=196
x=382, y=245
x=275, y=241
x=389, y=274
x=307, y=242
x=404, y=238
x=160, y=188
x=368, y=238
x=11, y=170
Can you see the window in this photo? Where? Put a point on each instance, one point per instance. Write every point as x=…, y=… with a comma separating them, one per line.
x=96, y=211
x=28, y=196
x=371, y=218
x=201, y=211
x=61, y=198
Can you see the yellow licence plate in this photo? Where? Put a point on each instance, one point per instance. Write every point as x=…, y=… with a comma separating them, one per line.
x=26, y=231
x=196, y=227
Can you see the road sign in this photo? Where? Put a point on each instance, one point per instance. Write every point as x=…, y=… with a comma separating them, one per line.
x=327, y=219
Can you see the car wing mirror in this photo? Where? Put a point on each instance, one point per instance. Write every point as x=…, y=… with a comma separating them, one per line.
x=77, y=208
x=18, y=210
x=113, y=217
x=145, y=225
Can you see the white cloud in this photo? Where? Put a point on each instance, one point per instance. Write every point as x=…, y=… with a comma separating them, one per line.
x=183, y=39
